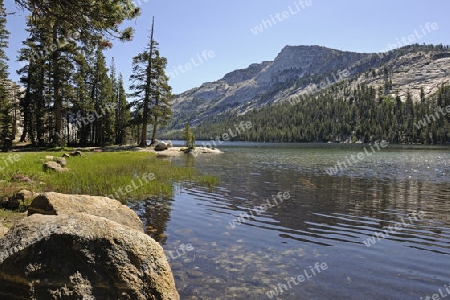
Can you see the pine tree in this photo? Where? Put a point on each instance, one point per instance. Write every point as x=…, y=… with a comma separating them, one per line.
x=149, y=85
x=83, y=21
x=103, y=98
x=161, y=95
x=6, y=126
x=82, y=105
x=122, y=113
x=121, y=110
x=188, y=137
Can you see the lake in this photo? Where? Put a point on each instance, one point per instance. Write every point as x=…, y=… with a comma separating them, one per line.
x=282, y=225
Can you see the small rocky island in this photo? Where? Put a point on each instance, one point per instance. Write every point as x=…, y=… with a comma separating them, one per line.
x=82, y=247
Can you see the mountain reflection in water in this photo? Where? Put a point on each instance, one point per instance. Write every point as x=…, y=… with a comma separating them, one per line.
x=325, y=219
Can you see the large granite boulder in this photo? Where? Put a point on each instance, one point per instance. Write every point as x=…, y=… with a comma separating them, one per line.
x=62, y=204
x=81, y=256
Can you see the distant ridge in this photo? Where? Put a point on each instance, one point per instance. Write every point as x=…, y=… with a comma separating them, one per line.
x=301, y=70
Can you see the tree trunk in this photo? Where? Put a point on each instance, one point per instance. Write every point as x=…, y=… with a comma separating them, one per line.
x=56, y=90
x=155, y=126
x=27, y=121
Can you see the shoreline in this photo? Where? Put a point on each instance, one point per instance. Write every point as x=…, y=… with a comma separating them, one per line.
x=178, y=151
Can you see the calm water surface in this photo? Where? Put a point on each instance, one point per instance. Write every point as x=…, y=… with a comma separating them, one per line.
x=380, y=228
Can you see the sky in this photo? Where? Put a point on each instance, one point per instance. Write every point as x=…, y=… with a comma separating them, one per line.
x=203, y=40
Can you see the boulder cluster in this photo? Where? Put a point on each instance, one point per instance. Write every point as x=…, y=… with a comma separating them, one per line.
x=82, y=247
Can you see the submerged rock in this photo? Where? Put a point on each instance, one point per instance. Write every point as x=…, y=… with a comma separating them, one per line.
x=61, y=204
x=82, y=256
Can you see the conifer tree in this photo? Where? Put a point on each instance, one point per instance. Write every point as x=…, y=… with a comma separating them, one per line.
x=122, y=113
x=6, y=126
x=103, y=98
x=161, y=95
x=146, y=83
x=84, y=21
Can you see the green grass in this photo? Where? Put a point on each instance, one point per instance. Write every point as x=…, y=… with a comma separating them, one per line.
x=97, y=174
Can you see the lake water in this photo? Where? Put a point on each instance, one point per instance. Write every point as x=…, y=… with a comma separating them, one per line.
x=278, y=223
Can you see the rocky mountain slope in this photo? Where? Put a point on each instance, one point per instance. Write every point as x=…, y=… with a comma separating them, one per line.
x=307, y=69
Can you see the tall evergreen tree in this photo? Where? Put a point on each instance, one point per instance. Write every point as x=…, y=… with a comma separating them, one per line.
x=103, y=97
x=85, y=21
x=161, y=95
x=142, y=83
x=6, y=126
x=122, y=113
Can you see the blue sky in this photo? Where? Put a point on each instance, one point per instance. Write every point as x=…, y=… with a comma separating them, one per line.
x=216, y=37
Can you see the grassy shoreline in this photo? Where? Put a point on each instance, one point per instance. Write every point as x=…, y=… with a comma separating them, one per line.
x=125, y=175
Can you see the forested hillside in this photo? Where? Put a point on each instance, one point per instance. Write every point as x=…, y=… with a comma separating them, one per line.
x=372, y=97
x=360, y=114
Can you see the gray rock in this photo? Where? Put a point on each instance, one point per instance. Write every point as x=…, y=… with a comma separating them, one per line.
x=161, y=146
x=169, y=144
x=62, y=204
x=76, y=153
x=53, y=166
x=81, y=256
x=62, y=161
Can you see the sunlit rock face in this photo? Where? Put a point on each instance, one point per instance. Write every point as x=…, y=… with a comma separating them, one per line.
x=304, y=69
x=82, y=256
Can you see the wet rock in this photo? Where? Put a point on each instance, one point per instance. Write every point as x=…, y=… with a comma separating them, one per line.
x=82, y=256
x=62, y=204
x=194, y=274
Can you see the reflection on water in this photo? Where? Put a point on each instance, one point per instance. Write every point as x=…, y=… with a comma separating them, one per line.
x=326, y=219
